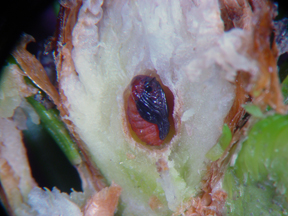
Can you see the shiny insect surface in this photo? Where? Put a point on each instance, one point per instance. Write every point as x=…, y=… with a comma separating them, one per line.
x=147, y=110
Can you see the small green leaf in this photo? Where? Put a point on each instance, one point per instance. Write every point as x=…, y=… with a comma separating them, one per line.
x=226, y=137
x=253, y=110
x=217, y=150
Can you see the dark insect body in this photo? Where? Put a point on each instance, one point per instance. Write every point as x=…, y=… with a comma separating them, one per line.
x=147, y=110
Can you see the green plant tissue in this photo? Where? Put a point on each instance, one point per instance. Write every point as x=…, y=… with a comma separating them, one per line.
x=257, y=183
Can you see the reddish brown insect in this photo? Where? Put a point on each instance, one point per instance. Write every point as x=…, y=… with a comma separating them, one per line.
x=147, y=110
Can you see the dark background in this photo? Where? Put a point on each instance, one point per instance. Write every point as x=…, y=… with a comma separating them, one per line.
x=38, y=18
x=31, y=16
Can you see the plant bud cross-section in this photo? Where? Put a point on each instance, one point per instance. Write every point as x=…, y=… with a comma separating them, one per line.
x=164, y=107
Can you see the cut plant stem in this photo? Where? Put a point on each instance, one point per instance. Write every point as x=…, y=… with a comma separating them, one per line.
x=57, y=130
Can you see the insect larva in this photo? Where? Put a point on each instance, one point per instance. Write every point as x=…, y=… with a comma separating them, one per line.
x=147, y=110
